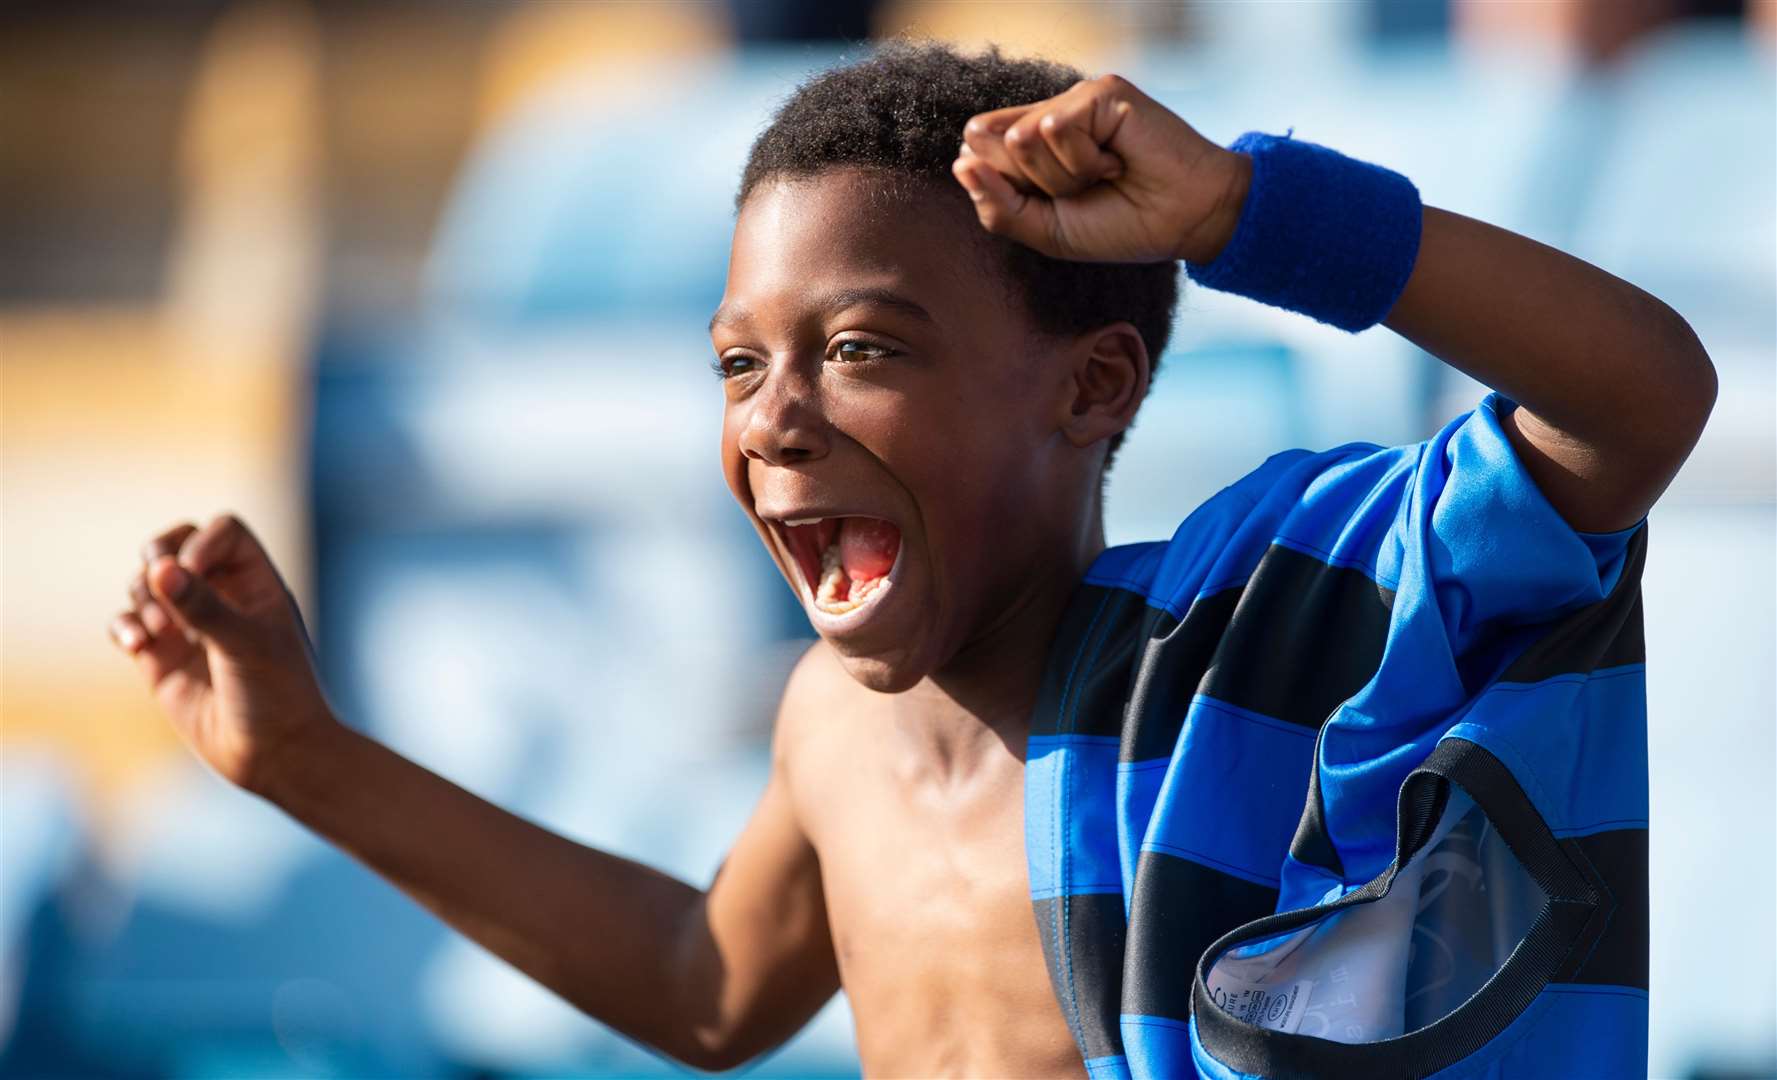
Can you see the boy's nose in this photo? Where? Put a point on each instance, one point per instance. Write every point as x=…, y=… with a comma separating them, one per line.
x=783, y=428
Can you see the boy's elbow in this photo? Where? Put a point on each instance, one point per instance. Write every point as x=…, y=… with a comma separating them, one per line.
x=1708, y=387
x=701, y=1033
x=1701, y=391
x=706, y=1050
x=712, y=1057
x=1691, y=397
x=737, y=1041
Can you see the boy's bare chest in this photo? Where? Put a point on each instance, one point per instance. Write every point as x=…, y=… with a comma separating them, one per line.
x=929, y=905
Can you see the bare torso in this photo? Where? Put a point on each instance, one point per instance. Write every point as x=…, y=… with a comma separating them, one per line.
x=923, y=869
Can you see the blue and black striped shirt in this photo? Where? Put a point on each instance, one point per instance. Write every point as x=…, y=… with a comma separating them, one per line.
x=1349, y=777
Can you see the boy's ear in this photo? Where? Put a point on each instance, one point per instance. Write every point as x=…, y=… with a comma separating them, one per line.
x=1109, y=380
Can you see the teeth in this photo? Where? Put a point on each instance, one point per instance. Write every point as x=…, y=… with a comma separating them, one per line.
x=833, y=575
x=803, y=521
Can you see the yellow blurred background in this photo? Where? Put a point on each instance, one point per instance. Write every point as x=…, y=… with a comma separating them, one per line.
x=187, y=180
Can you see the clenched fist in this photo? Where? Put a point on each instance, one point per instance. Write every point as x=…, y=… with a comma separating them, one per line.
x=1102, y=173
x=221, y=644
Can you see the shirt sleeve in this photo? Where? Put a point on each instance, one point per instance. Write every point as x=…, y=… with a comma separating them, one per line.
x=1477, y=532
x=1476, y=567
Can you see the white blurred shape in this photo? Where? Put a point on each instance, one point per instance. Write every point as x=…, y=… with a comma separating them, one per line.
x=1711, y=678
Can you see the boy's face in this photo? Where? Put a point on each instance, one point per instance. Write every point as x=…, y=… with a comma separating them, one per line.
x=887, y=392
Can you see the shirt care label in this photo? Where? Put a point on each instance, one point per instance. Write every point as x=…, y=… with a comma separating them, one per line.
x=1279, y=1008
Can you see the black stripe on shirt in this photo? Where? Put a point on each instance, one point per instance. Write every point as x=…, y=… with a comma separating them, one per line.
x=1170, y=673
x=1313, y=845
x=1086, y=680
x=1601, y=635
x=1297, y=639
x=1304, y=637
x=1090, y=986
x=1180, y=908
x=1620, y=858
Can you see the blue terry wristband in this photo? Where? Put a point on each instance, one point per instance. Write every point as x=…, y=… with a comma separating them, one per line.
x=1323, y=234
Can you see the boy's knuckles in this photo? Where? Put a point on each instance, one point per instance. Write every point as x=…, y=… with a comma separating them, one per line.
x=1023, y=151
x=167, y=542
x=220, y=532
x=984, y=144
x=223, y=526
x=1026, y=143
x=1076, y=152
x=994, y=124
x=225, y=540
x=1031, y=152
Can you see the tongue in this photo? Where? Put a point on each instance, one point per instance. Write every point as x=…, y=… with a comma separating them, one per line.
x=867, y=547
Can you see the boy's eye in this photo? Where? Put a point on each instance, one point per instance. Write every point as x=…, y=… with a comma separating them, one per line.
x=726, y=367
x=861, y=350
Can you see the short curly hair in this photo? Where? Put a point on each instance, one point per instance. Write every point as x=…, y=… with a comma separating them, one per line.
x=902, y=110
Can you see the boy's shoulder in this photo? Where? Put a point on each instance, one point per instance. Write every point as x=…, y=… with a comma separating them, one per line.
x=818, y=694
x=817, y=678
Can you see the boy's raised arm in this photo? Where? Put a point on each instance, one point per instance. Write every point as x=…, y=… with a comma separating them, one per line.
x=1614, y=387
x=711, y=978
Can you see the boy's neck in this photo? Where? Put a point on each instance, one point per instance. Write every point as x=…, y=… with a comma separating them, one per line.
x=985, y=696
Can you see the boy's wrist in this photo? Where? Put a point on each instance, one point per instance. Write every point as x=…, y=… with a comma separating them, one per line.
x=295, y=771
x=1318, y=233
x=1203, y=243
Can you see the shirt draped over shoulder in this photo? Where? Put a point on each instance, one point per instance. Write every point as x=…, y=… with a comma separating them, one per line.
x=1350, y=776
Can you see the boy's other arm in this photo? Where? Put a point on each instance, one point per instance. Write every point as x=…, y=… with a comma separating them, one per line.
x=1614, y=387
x=710, y=977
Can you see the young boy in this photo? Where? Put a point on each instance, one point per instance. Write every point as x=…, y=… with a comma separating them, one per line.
x=929, y=357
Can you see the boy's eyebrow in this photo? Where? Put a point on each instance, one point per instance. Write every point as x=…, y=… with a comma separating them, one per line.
x=837, y=301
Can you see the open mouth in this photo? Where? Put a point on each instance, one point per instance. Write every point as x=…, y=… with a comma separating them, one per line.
x=845, y=561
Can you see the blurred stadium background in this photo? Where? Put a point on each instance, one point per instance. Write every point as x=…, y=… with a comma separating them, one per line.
x=365, y=273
